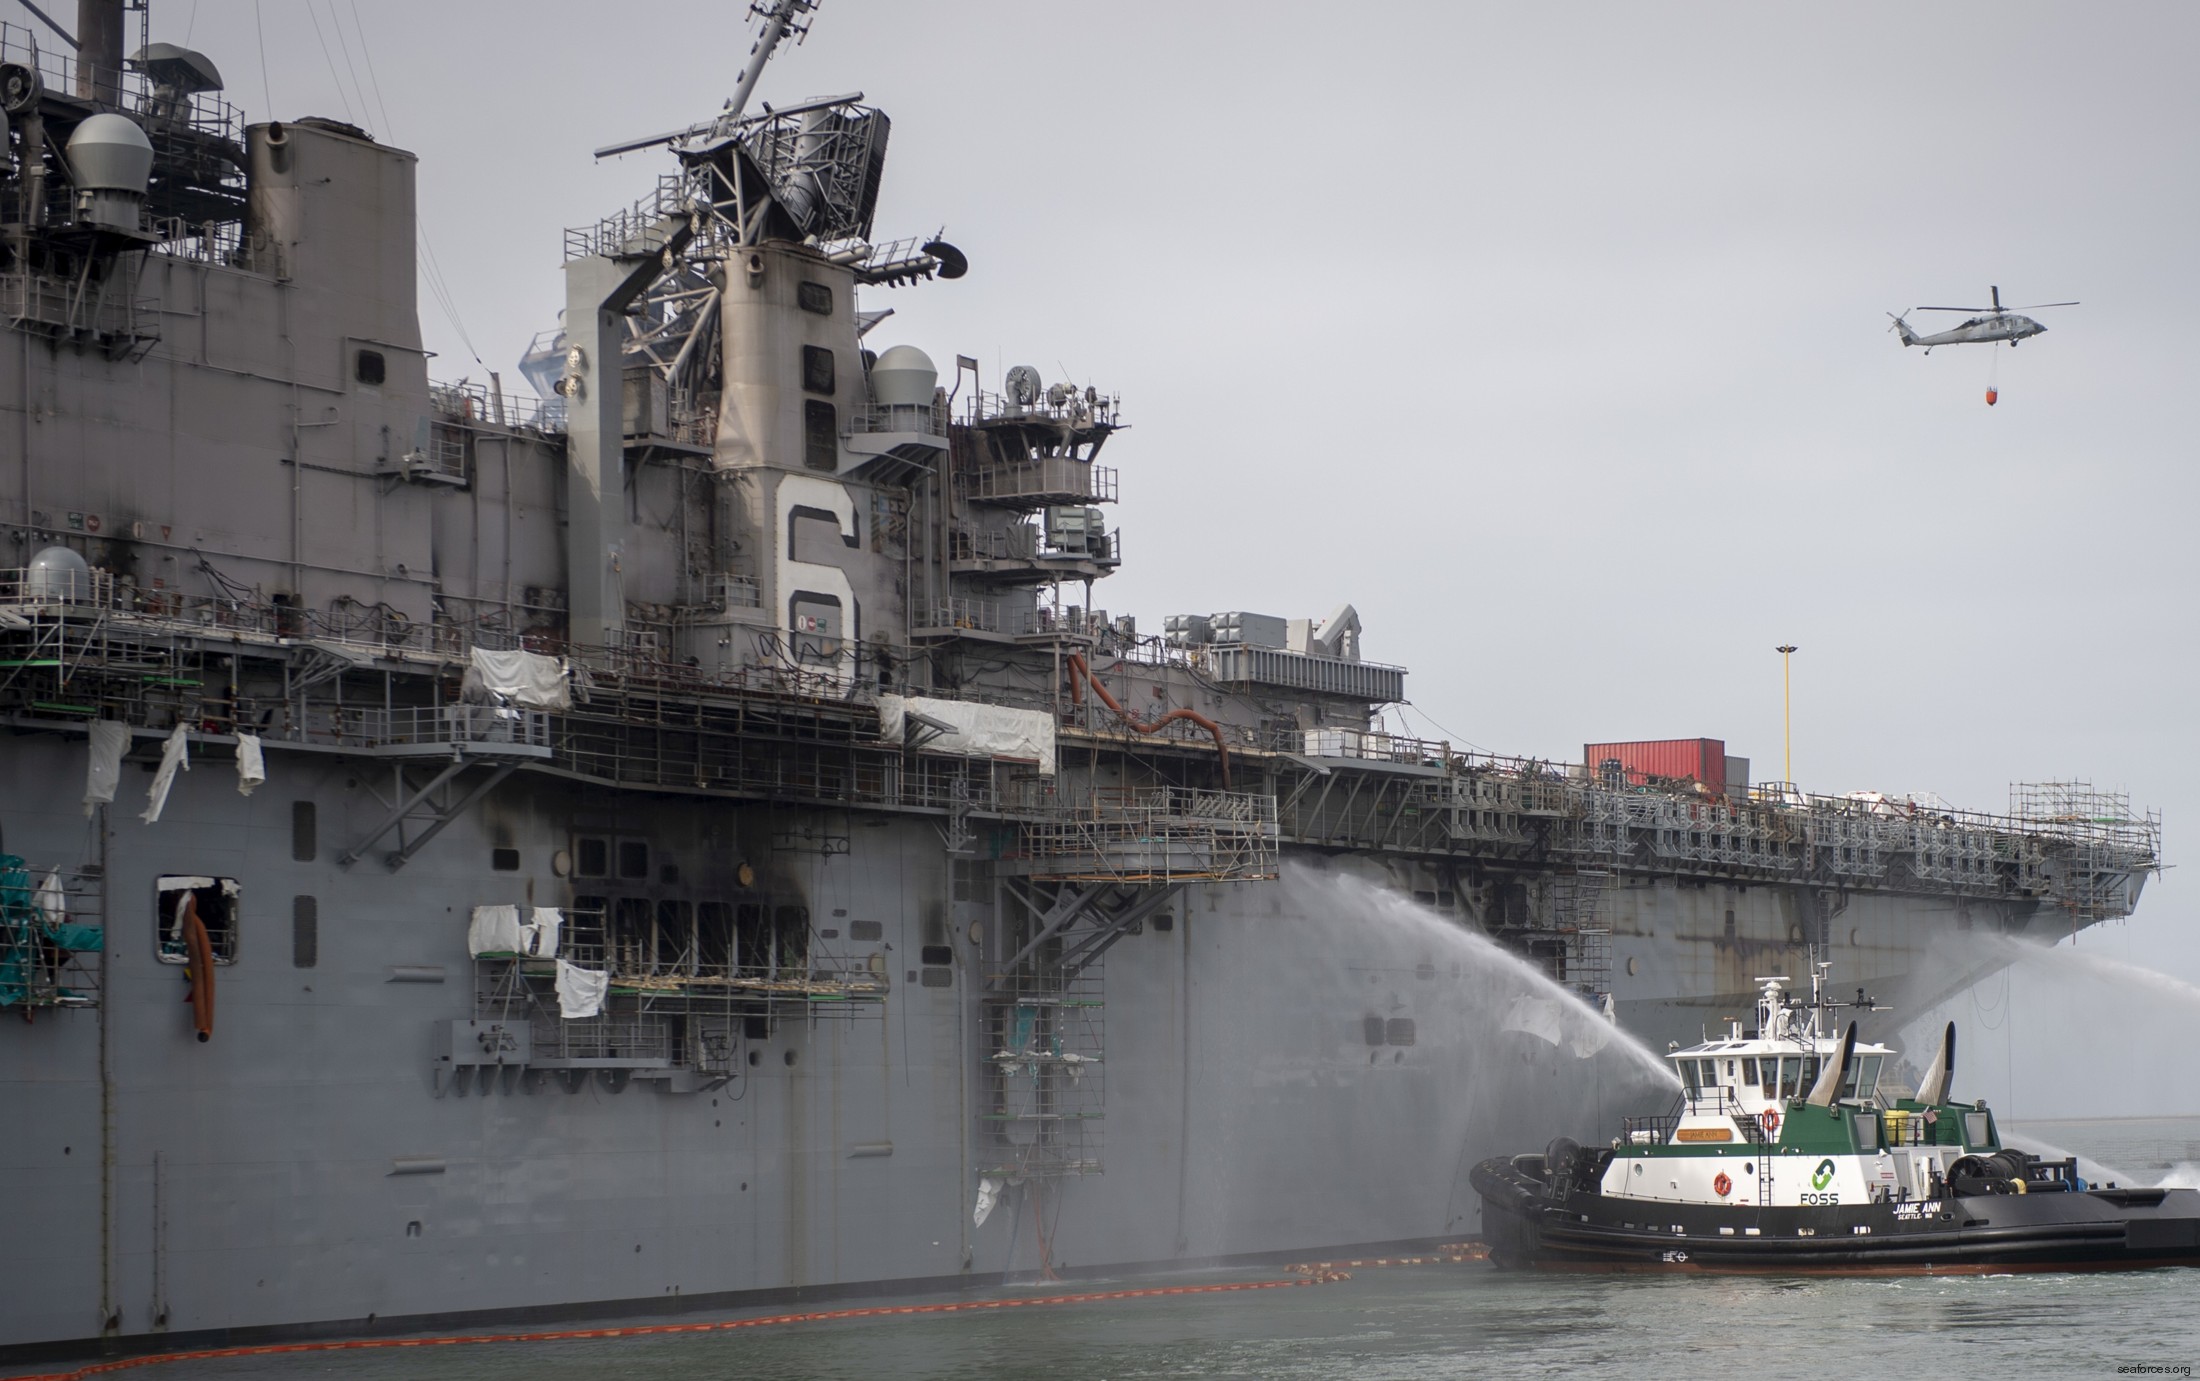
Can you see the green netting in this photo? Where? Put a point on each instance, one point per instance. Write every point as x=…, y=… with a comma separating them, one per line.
x=30, y=940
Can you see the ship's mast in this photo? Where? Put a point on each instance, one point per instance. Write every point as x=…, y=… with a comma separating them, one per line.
x=779, y=17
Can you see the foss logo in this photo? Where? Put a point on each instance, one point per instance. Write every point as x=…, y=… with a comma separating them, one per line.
x=1820, y=1178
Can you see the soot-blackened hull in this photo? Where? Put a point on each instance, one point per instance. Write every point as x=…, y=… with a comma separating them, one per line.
x=2131, y=1229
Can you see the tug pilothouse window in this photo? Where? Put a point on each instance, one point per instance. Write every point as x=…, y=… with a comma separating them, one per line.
x=1868, y=1083
x=215, y=901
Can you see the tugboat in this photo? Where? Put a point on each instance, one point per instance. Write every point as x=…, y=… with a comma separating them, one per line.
x=1783, y=1154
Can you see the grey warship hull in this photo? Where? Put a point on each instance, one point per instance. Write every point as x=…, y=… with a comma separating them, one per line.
x=913, y=924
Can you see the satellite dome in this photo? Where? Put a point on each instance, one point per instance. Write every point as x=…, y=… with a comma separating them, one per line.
x=57, y=573
x=904, y=377
x=111, y=154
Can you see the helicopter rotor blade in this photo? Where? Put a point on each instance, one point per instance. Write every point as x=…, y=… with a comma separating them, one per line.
x=2037, y=305
x=1951, y=309
x=1997, y=297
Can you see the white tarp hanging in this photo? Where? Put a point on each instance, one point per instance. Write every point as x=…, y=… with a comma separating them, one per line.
x=543, y=942
x=1535, y=1016
x=978, y=730
x=524, y=678
x=580, y=991
x=499, y=930
x=53, y=899
x=109, y=741
x=251, y=764
x=989, y=1193
x=175, y=756
x=1553, y=1021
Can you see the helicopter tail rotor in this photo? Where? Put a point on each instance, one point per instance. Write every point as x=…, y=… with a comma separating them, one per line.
x=1902, y=329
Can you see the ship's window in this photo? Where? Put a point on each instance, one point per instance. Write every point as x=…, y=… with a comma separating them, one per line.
x=817, y=369
x=866, y=930
x=675, y=936
x=752, y=937
x=1729, y=1069
x=504, y=860
x=790, y=940
x=814, y=297
x=582, y=939
x=368, y=367
x=820, y=435
x=1371, y=1029
x=1398, y=1031
x=936, y=977
x=592, y=858
x=1809, y=1080
x=633, y=858
x=1868, y=1082
x=1730, y=923
x=627, y=947
x=1689, y=1079
x=305, y=932
x=1749, y=1071
x=1975, y=1130
x=1867, y=1131
x=215, y=901
x=713, y=936
x=305, y=838
x=938, y=954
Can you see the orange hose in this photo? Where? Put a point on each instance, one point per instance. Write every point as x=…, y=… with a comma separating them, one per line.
x=199, y=968
x=1078, y=668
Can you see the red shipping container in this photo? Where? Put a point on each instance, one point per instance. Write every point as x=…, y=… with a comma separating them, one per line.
x=1685, y=759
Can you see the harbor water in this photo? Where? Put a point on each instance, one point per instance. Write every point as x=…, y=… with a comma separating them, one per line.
x=1435, y=1321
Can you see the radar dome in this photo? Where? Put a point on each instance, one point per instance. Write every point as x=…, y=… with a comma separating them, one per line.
x=904, y=377
x=109, y=153
x=58, y=574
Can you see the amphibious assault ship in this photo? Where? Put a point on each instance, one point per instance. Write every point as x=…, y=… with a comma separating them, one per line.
x=688, y=835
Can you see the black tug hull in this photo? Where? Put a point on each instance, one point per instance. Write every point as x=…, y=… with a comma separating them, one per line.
x=2126, y=1229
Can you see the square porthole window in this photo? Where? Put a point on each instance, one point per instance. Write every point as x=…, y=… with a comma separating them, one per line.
x=866, y=930
x=591, y=857
x=368, y=367
x=820, y=435
x=814, y=297
x=504, y=860
x=305, y=833
x=634, y=859
x=817, y=369
x=305, y=932
x=213, y=900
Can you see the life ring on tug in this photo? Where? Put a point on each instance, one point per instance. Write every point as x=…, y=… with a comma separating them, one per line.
x=1722, y=1185
x=1769, y=1119
x=199, y=968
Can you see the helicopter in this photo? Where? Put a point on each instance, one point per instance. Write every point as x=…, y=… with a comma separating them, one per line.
x=1993, y=325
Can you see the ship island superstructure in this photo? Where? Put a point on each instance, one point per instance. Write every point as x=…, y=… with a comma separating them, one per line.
x=698, y=807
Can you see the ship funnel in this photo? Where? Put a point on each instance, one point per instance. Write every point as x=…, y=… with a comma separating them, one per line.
x=112, y=160
x=1829, y=1083
x=1933, y=1088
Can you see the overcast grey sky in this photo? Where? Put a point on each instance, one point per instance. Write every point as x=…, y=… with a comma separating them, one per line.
x=1551, y=335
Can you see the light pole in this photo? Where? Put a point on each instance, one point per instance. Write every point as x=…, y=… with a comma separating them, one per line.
x=1787, y=712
